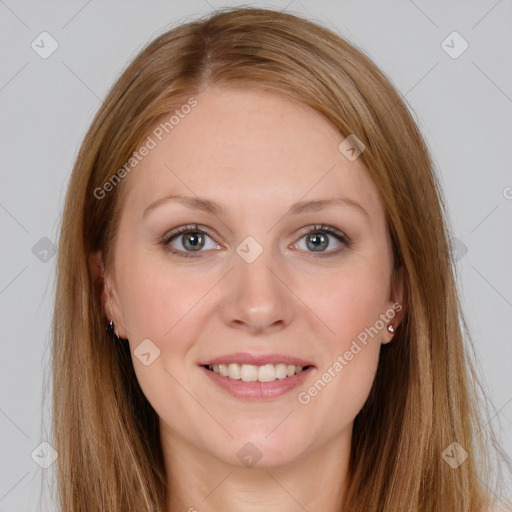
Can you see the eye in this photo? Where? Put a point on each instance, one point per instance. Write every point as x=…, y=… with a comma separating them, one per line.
x=319, y=238
x=188, y=239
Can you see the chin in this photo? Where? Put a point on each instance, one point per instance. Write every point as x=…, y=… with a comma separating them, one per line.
x=251, y=451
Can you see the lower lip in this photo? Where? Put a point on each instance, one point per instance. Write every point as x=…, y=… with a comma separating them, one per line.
x=257, y=390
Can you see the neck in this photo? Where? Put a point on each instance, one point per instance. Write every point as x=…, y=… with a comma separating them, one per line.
x=201, y=482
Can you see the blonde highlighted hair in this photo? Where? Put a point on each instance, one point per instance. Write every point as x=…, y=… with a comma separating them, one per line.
x=426, y=394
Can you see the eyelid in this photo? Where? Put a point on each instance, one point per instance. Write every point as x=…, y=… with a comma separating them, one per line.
x=343, y=239
x=166, y=239
x=193, y=228
x=324, y=227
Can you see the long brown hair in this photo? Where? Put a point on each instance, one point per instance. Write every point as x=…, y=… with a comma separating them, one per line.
x=426, y=394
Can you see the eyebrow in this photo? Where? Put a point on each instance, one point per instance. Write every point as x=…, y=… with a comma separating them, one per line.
x=298, y=208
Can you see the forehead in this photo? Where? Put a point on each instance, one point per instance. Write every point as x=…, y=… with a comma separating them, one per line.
x=244, y=146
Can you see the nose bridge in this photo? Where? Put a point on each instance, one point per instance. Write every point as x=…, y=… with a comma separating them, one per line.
x=255, y=275
x=256, y=298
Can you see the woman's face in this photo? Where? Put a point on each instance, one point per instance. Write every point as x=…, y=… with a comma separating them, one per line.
x=291, y=267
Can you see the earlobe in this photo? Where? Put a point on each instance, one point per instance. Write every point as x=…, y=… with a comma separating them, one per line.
x=389, y=333
x=397, y=303
x=105, y=290
x=101, y=282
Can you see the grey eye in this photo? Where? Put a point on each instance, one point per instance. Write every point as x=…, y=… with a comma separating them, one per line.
x=317, y=241
x=193, y=241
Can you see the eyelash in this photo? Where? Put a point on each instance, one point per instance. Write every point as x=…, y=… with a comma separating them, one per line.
x=195, y=228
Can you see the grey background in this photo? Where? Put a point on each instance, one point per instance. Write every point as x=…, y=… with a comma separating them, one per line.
x=463, y=106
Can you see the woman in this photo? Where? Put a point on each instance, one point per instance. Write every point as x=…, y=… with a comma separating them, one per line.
x=256, y=307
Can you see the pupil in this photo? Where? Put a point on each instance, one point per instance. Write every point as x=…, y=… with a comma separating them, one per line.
x=318, y=241
x=194, y=241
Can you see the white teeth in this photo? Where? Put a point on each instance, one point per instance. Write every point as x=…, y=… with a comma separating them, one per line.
x=249, y=373
x=281, y=371
x=267, y=373
x=252, y=373
x=234, y=371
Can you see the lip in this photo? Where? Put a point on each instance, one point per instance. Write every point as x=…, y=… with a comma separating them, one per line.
x=258, y=390
x=257, y=359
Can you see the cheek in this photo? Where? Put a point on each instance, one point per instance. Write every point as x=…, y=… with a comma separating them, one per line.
x=349, y=301
x=161, y=305
x=155, y=299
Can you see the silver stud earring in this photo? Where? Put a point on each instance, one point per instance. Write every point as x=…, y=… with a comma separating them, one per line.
x=112, y=332
x=391, y=329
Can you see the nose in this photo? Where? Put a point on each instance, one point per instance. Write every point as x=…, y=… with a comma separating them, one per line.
x=256, y=298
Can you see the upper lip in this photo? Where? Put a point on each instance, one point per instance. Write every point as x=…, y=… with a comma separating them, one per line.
x=257, y=359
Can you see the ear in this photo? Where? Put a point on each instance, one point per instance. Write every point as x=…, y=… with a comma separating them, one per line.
x=397, y=302
x=104, y=283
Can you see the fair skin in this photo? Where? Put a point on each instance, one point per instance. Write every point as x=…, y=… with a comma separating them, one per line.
x=257, y=153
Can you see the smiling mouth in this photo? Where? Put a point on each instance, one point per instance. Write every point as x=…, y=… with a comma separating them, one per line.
x=253, y=373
